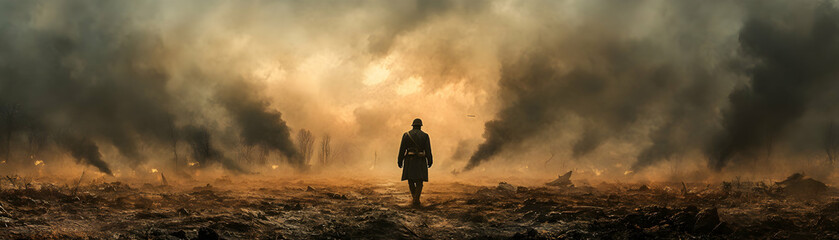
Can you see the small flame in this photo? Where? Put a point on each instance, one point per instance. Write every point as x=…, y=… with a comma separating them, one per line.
x=627, y=172
x=596, y=171
x=274, y=166
x=154, y=170
x=192, y=163
x=37, y=162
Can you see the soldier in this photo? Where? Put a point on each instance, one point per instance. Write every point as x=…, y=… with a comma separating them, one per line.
x=415, y=155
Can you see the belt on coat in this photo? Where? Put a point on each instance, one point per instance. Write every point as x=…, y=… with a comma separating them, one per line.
x=415, y=154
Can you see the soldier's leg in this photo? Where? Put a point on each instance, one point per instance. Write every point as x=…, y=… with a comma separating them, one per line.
x=413, y=188
x=418, y=190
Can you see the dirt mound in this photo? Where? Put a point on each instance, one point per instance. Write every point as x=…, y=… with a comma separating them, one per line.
x=801, y=186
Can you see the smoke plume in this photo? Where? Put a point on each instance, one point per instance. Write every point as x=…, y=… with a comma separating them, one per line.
x=795, y=66
x=621, y=86
x=90, y=68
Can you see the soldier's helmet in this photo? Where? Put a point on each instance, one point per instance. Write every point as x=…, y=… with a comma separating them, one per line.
x=417, y=122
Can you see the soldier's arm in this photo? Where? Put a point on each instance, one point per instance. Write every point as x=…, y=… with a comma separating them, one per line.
x=428, y=153
x=402, y=148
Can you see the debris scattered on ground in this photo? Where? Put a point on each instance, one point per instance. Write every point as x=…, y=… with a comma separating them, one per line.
x=207, y=234
x=282, y=210
x=706, y=220
x=163, y=179
x=506, y=187
x=336, y=196
x=562, y=181
x=802, y=186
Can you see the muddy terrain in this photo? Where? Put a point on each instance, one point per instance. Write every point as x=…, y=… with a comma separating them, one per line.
x=800, y=208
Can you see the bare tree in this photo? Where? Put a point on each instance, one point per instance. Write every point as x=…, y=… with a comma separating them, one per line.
x=306, y=143
x=245, y=151
x=199, y=140
x=831, y=142
x=261, y=154
x=325, y=149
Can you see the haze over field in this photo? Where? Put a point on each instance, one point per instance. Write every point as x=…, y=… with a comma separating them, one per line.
x=616, y=89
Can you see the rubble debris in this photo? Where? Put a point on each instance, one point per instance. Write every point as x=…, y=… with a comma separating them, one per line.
x=530, y=233
x=706, y=220
x=722, y=229
x=183, y=212
x=336, y=196
x=376, y=212
x=506, y=187
x=684, y=220
x=254, y=214
x=801, y=186
x=562, y=181
x=206, y=233
x=310, y=189
x=532, y=204
x=832, y=207
x=3, y=211
x=113, y=187
x=6, y=222
x=150, y=215
x=76, y=188
x=163, y=180
x=180, y=234
x=294, y=207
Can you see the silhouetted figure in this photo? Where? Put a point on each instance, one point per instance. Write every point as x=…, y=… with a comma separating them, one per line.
x=415, y=159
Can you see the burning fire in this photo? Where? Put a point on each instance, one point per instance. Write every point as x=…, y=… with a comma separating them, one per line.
x=153, y=170
x=37, y=163
x=191, y=164
x=274, y=166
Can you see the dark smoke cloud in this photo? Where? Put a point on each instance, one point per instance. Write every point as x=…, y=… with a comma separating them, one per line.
x=87, y=75
x=614, y=83
x=86, y=151
x=610, y=96
x=797, y=62
x=259, y=126
x=718, y=79
x=93, y=70
x=203, y=151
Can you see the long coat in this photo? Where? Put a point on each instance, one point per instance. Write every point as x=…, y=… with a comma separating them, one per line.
x=414, y=163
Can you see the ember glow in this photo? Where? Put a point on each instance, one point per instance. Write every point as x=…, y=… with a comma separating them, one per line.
x=623, y=92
